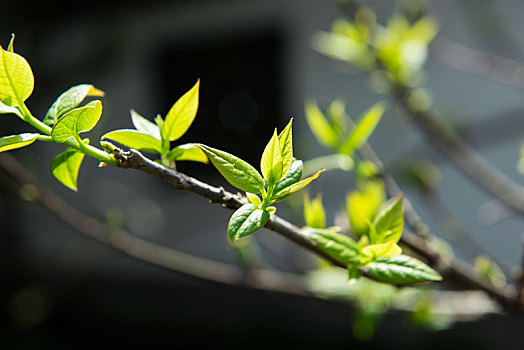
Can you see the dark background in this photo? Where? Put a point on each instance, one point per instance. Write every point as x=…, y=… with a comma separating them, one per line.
x=59, y=289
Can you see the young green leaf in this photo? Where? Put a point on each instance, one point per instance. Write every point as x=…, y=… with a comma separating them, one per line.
x=4, y=109
x=314, y=212
x=70, y=99
x=320, y=126
x=281, y=195
x=364, y=128
x=271, y=161
x=16, y=79
x=188, y=151
x=401, y=269
x=236, y=171
x=76, y=121
x=8, y=143
x=338, y=246
x=382, y=250
x=246, y=220
x=285, y=140
x=389, y=222
x=135, y=139
x=293, y=176
x=253, y=199
x=65, y=167
x=145, y=126
x=181, y=115
x=362, y=205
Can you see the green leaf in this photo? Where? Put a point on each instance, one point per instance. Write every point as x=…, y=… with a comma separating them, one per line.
x=382, y=250
x=389, y=222
x=76, y=121
x=8, y=143
x=338, y=246
x=320, y=126
x=281, y=195
x=362, y=205
x=236, y=171
x=145, y=126
x=135, y=139
x=4, y=109
x=364, y=128
x=70, y=99
x=285, y=140
x=271, y=161
x=293, y=176
x=16, y=79
x=188, y=151
x=314, y=212
x=11, y=47
x=253, y=199
x=181, y=115
x=65, y=167
x=246, y=220
x=401, y=269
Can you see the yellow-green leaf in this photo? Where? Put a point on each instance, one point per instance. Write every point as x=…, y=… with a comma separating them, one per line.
x=145, y=126
x=236, y=171
x=8, y=143
x=271, y=161
x=293, y=176
x=181, y=115
x=188, y=151
x=389, y=222
x=382, y=250
x=285, y=139
x=320, y=126
x=70, y=99
x=364, y=128
x=65, y=167
x=16, y=78
x=135, y=139
x=11, y=46
x=314, y=212
x=362, y=205
x=76, y=121
x=281, y=195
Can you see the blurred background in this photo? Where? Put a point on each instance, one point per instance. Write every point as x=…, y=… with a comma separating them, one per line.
x=256, y=65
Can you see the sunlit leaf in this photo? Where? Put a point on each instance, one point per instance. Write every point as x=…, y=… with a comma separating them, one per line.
x=236, y=171
x=246, y=220
x=135, y=139
x=271, y=161
x=8, y=143
x=188, y=151
x=16, y=79
x=382, y=250
x=338, y=246
x=4, y=109
x=69, y=100
x=389, y=222
x=281, y=195
x=363, y=129
x=65, y=167
x=253, y=199
x=401, y=269
x=293, y=176
x=145, y=126
x=77, y=121
x=181, y=115
x=320, y=126
x=285, y=140
x=362, y=205
x=314, y=212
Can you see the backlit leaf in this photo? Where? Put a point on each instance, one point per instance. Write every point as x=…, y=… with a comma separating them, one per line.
x=363, y=129
x=401, y=269
x=8, y=143
x=389, y=222
x=236, y=171
x=16, y=78
x=246, y=220
x=293, y=176
x=271, y=161
x=281, y=195
x=70, y=99
x=145, y=126
x=188, y=151
x=382, y=250
x=135, y=139
x=4, y=109
x=65, y=167
x=285, y=139
x=76, y=121
x=320, y=126
x=314, y=212
x=181, y=115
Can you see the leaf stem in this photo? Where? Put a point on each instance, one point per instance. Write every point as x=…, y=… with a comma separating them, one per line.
x=28, y=117
x=45, y=138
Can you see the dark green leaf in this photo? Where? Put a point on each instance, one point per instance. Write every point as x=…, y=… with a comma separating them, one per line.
x=246, y=220
x=135, y=139
x=8, y=143
x=65, y=167
x=236, y=171
x=401, y=269
x=69, y=100
x=281, y=195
